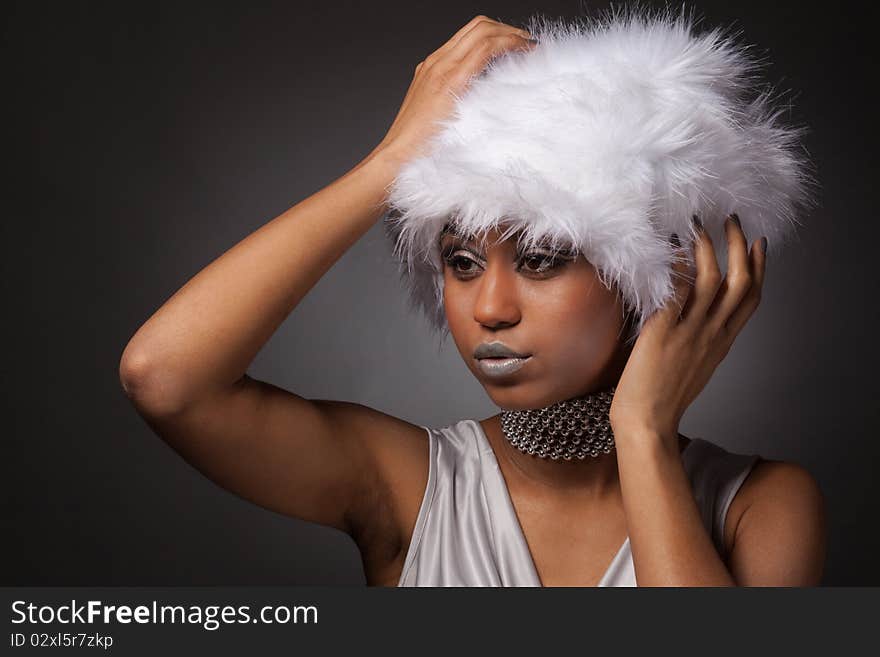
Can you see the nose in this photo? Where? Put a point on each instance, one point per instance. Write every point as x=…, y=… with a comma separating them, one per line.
x=497, y=303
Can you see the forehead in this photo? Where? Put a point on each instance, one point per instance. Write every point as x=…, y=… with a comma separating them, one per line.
x=502, y=235
x=450, y=229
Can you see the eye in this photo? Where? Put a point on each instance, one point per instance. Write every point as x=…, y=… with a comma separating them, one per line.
x=540, y=263
x=459, y=263
x=535, y=263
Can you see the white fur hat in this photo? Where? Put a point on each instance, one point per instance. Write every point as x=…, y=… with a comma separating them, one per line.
x=609, y=135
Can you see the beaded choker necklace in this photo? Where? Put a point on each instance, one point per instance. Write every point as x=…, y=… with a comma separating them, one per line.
x=573, y=428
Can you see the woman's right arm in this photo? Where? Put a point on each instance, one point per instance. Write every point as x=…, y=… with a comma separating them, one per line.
x=185, y=369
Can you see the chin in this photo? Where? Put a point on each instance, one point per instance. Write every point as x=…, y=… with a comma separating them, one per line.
x=519, y=396
x=524, y=395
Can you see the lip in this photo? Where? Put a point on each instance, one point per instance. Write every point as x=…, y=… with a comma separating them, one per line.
x=500, y=367
x=496, y=350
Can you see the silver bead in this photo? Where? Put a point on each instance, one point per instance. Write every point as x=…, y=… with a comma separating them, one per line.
x=573, y=428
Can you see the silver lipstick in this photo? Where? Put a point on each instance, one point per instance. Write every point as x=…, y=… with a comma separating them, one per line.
x=496, y=359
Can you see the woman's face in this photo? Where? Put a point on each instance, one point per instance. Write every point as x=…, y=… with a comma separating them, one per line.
x=557, y=312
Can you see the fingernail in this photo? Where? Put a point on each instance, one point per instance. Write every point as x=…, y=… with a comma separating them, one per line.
x=735, y=220
x=674, y=240
x=764, y=245
x=697, y=222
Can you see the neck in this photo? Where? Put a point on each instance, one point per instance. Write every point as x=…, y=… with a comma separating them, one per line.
x=595, y=477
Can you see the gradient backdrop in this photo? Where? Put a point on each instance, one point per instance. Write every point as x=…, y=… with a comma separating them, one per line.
x=147, y=139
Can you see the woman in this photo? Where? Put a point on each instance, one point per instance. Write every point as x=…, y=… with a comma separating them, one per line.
x=488, y=502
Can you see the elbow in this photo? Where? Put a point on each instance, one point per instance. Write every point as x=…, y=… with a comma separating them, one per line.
x=132, y=371
x=145, y=387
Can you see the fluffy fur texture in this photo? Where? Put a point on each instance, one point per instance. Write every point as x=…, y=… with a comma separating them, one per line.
x=607, y=137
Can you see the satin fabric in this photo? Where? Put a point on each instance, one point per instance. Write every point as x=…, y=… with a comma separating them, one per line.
x=467, y=532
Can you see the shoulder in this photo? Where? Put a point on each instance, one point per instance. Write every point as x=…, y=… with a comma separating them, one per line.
x=780, y=488
x=781, y=479
x=778, y=529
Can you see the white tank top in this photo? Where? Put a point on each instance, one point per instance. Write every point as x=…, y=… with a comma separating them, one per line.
x=467, y=532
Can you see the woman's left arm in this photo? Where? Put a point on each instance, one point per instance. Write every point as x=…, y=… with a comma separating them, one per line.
x=780, y=537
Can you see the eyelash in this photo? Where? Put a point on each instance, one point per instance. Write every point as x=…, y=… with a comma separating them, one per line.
x=451, y=257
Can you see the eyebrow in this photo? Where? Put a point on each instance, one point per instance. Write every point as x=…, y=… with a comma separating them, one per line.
x=449, y=229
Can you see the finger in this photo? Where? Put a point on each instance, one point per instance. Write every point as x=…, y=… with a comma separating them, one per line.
x=452, y=41
x=747, y=307
x=474, y=39
x=475, y=60
x=708, y=278
x=470, y=25
x=668, y=316
x=474, y=23
x=737, y=282
x=438, y=54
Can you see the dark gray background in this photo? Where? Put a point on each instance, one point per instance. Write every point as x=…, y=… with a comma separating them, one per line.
x=145, y=140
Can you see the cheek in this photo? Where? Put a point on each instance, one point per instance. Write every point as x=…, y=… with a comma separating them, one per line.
x=452, y=303
x=580, y=326
x=458, y=315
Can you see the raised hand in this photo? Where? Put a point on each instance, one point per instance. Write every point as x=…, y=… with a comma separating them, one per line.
x=682, y=344
x=443, y=75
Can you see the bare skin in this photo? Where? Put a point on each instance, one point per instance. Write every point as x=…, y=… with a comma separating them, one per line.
x=364, y=472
